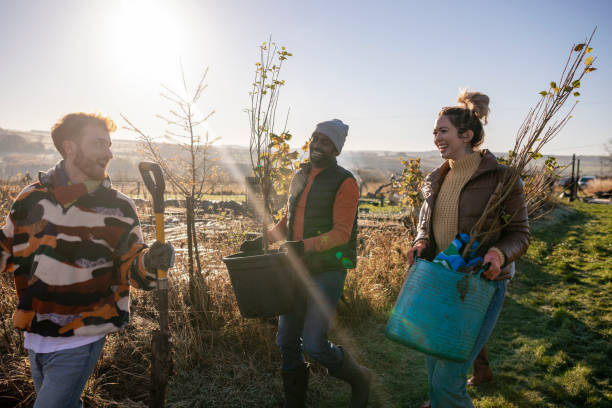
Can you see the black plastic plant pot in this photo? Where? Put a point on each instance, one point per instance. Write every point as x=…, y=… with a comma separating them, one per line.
x=264, y=283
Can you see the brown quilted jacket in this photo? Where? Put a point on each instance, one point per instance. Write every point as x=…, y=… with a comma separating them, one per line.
x=513, y=240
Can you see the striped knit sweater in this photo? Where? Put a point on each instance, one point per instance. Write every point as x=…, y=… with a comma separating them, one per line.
x=74, y=255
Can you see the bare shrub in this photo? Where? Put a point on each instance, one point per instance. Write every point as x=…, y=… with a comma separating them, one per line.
x=543, y=123
x=192, y=172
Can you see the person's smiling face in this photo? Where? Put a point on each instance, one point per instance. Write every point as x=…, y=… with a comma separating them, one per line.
x=450, y=144
x=322, y=150
x=93, y=152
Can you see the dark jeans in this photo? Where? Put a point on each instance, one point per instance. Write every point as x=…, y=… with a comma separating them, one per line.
x=305, y=327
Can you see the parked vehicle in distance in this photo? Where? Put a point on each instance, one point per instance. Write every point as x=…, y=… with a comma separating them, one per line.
x=584, y=180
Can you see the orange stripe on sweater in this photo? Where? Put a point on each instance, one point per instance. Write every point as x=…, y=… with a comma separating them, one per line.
x=106, y=312
x=35, y=243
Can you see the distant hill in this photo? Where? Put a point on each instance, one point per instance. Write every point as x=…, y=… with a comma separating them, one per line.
x=19, y=142
x=31, y=151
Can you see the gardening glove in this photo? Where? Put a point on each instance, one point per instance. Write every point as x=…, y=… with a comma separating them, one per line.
x=293, y=248
x=452, y=256
x=418, y=248
x=492, y=258
x=159, y=256
x=252, y=245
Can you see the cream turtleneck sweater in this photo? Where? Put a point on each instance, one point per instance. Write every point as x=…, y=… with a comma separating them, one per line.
x=446, y=208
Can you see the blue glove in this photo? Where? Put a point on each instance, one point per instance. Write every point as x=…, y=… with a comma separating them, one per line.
x=451, y=257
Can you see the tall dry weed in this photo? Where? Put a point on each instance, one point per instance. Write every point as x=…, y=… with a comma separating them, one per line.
x=16, y=387
x=597, y=186
x=220, y=358
x=371, y=289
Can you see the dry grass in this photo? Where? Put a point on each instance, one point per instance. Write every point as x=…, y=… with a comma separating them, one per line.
x=599, y=185
x=371, y=289
x=16, y=387
x=220, y=359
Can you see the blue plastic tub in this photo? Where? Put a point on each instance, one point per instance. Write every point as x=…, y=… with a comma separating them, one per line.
x=440, y=311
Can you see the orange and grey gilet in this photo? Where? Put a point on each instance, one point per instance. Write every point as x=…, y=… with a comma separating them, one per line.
x=318, y=217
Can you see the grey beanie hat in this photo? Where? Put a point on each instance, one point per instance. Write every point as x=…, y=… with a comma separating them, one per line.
x=335, y=130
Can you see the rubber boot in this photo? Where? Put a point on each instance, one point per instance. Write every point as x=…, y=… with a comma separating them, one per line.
x=295, y=384
x=358, y=376
x=482, y=372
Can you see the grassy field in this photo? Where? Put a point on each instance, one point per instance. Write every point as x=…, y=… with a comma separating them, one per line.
x=551, y=347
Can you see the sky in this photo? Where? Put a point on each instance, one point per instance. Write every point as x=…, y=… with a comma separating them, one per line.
x=383, y=67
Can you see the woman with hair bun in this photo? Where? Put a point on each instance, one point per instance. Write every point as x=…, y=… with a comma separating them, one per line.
x=456, y=194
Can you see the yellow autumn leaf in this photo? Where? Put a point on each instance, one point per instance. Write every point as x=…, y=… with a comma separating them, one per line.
x=588, y=61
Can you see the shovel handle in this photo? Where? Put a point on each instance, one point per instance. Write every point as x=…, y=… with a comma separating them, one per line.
x=161, y=359
x=156, y=186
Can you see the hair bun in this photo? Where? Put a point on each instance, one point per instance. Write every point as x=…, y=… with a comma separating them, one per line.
x=476, y=102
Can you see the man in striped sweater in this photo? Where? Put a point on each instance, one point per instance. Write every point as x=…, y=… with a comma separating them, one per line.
x=75, y=246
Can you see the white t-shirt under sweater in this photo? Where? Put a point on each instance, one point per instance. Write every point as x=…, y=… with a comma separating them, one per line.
x=46, y=344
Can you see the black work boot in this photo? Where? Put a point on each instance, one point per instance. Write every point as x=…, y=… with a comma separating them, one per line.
x=295, y=384
x=358, y=376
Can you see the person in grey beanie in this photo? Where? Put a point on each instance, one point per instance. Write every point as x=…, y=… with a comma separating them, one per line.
x=320, y=229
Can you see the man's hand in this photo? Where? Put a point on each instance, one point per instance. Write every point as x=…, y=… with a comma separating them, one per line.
x=159, y=256
x=418, y=248
x=22, y=319
x=293, y=248
x=252, y=245
x=494, y=269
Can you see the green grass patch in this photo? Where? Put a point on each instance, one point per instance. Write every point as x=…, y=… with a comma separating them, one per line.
x=390, y=210
x=552, y=344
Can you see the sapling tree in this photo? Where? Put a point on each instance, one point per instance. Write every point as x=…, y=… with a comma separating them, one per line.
x=539, y=181
x=539, y=188
x=542, y=124
x=408, y=185
x=269, y=151
x=608, y=158
x=283, y=162
x=191, y=172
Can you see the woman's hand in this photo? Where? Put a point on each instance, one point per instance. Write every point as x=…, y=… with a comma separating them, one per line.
x=418, y=248
x=494, y=270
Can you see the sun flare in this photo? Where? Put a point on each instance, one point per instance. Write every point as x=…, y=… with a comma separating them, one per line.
x=146, y=40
